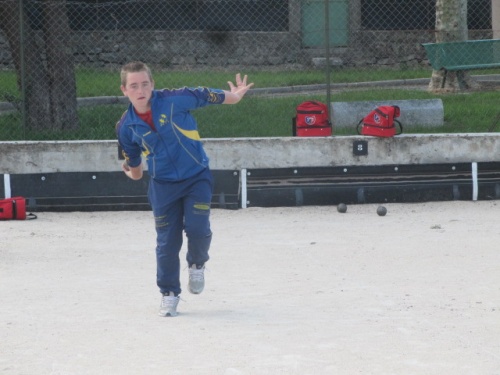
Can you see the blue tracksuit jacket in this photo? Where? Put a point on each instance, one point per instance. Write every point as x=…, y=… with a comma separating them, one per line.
x=174, y=151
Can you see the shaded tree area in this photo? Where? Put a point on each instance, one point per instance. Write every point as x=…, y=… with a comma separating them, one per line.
x=43, y=62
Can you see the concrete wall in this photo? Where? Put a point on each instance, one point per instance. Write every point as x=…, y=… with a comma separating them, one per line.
x=240, y=153
x=166, y=49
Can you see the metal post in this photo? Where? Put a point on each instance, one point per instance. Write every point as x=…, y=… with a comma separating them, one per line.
x=327, y=54
x=22, y=66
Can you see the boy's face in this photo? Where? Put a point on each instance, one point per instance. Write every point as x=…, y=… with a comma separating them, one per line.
x=138, y=89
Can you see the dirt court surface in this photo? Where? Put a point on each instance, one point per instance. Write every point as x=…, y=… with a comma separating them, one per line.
x=303, y=290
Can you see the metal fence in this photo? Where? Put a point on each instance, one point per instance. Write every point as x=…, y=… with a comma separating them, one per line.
x=60, y=60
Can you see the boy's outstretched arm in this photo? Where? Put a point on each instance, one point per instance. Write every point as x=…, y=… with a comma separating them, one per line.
x=237, y=92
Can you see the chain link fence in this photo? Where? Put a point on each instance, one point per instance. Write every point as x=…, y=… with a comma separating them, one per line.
x=60, y=60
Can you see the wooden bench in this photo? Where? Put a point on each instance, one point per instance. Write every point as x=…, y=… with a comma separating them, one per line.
x=465, y=55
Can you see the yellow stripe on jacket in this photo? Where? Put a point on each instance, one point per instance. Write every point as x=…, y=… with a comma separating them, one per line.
x=191, y=134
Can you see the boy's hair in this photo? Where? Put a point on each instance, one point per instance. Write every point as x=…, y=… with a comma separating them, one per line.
x=134, y=67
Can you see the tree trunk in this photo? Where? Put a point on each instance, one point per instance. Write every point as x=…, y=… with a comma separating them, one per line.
x=451, y=26
x=36, y=99
x=60, y=66
x=46, y=105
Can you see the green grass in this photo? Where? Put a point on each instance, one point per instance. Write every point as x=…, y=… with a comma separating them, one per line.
x=256, y=116
x=93, y=82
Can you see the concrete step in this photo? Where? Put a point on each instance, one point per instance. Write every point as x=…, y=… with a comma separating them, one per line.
x=414, y=112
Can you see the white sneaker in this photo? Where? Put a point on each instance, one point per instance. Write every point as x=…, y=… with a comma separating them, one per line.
x=196, y=279
x=168, y=306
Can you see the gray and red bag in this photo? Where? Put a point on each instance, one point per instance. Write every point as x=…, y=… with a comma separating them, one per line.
x=14, y=209
x=381, y=122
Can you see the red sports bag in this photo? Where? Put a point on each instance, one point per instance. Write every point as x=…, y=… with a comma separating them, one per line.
x=312, y=120
x=14, y=209
x=381, y=122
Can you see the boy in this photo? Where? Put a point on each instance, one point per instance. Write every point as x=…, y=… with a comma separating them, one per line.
x=158, y=124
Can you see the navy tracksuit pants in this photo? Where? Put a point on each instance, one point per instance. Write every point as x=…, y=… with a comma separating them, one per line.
x=177, y=207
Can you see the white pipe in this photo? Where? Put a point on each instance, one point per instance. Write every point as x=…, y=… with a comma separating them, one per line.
x=6, y=186
x=475, y=187
x=243, y=188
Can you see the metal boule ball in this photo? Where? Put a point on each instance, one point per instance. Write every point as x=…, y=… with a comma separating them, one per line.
x=342, y=208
